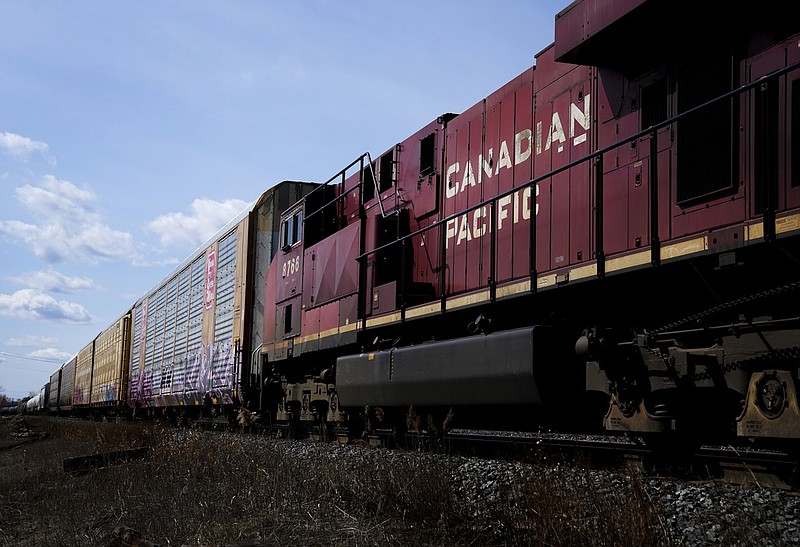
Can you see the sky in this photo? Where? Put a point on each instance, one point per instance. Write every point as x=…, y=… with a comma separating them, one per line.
x=130, y=132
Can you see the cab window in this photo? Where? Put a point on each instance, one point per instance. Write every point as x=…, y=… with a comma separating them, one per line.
x=291, y=230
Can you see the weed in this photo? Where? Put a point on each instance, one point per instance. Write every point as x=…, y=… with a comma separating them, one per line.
x=213, y=488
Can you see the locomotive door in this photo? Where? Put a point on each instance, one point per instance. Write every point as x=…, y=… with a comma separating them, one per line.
x=290, y=283
x=392, y=269
x=773, y=180
x=571, y=211
x=793, y=131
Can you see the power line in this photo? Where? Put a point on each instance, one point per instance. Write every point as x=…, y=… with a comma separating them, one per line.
x=31, y=357
x=30, y=369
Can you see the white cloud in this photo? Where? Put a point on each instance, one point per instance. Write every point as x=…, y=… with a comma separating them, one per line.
x=55, y=197
x=53, y=281
x=33, y=304
x=206, y=218
x=22, y=148
x=67, y=228
x=30, y=341
x=50, y=353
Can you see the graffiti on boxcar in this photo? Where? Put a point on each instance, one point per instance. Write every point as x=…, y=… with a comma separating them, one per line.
x=77, y=396
x=107, y=391
x=208, y=369
x=211, y=276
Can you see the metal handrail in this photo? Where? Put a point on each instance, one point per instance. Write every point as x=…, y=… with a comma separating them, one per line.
x=597, y=155
x=343, y=195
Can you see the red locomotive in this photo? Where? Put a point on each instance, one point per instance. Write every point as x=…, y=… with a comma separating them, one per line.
x=608, y=241
x=643, y=205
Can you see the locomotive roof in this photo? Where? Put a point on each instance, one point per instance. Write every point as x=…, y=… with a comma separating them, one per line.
x=630, y=35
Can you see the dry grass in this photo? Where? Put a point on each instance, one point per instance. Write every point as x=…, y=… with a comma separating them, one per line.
x=204, y=488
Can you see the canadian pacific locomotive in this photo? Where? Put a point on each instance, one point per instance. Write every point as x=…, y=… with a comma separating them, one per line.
x=610, y=241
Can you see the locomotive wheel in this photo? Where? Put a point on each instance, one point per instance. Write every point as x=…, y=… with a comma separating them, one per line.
x=771, y=396
x=627, y=395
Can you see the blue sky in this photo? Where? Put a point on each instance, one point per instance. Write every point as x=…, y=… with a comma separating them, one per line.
x=131, y=131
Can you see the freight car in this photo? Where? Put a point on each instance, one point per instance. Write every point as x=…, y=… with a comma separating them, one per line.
x=39, y=402
x=193, y=334
x=609, y=241
x=177, y=352
x=100, y=382
x=66, y=383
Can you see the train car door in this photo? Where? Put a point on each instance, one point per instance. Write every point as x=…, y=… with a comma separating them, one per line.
x=290, y=283
x=793, y=131
x=771, y=184
x=562, y=135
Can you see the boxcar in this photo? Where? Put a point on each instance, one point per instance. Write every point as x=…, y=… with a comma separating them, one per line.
x=191, y=333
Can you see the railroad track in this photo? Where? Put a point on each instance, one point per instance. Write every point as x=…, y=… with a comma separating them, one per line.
x=746, y=465
x=762, y=466
x=767, y=467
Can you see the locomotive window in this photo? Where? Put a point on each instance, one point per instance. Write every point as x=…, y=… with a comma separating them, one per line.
x=292, y=230
x=368, y=182
x=426, y=154
x=287, y=319
x=297, y=226
x=285, y=230
x=387, y=171
x=706, y=165
x=655, y=102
